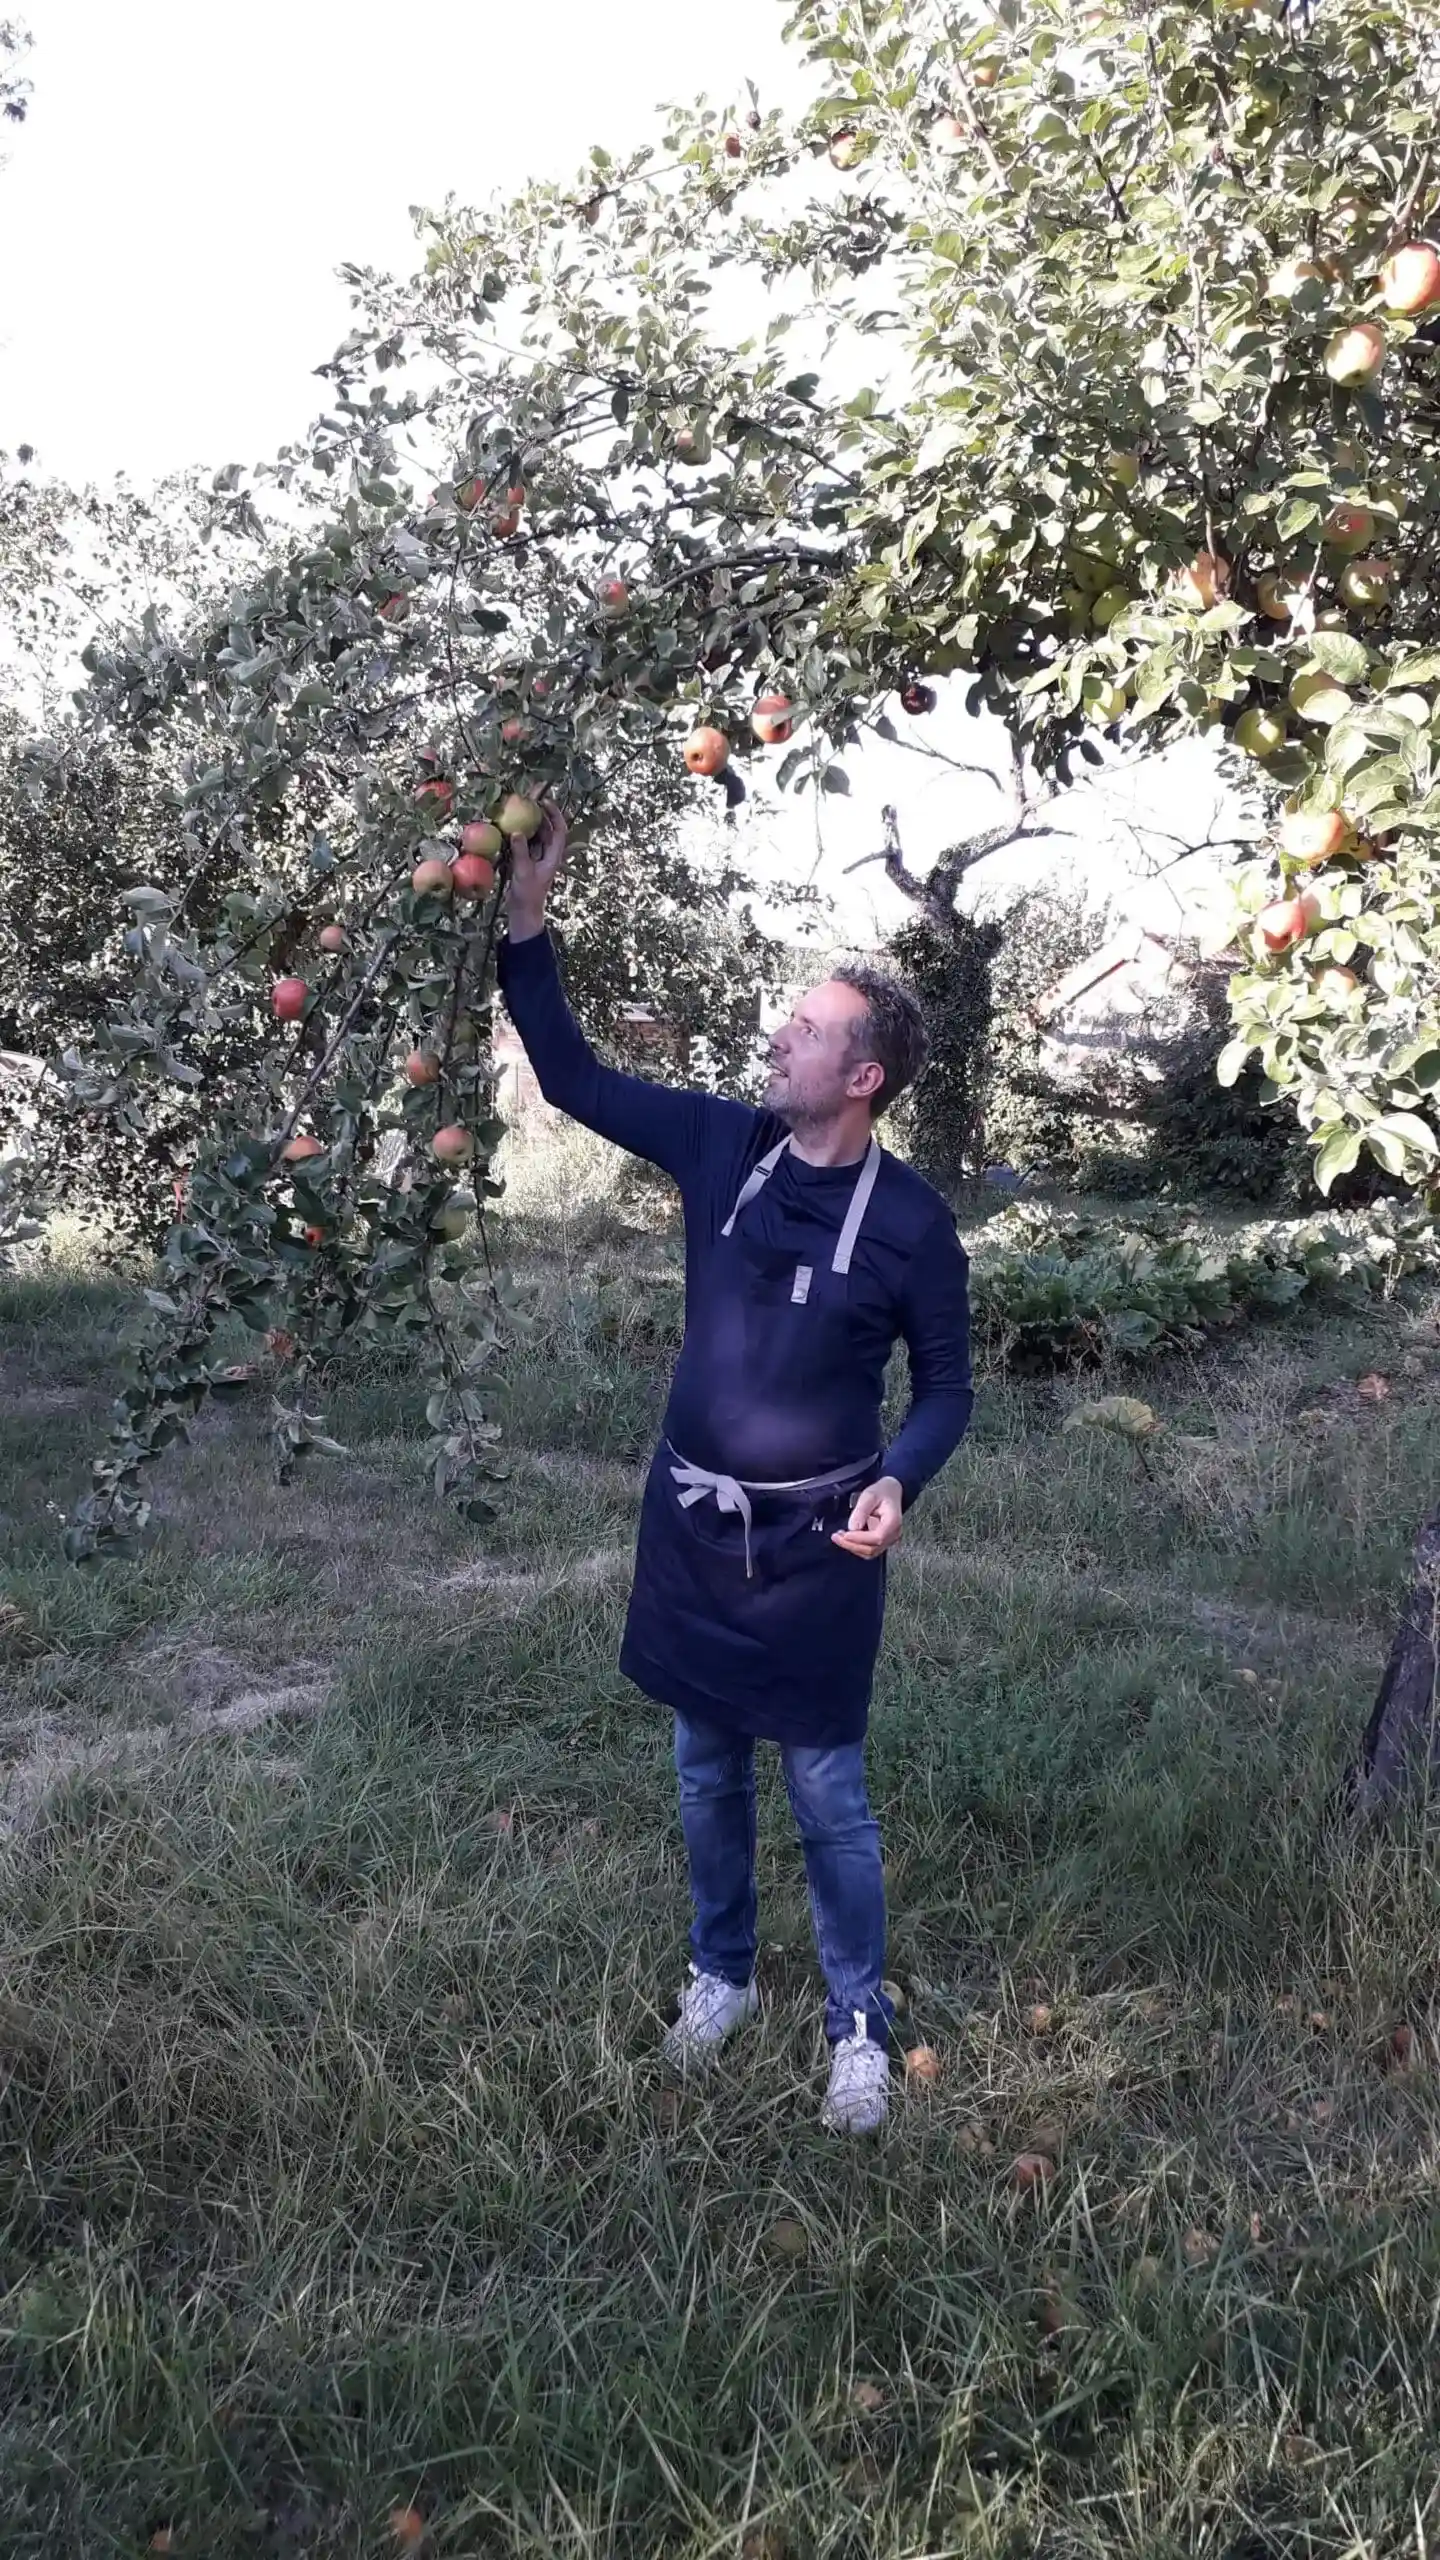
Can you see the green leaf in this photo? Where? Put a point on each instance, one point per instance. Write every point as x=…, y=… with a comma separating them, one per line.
x=1342, y=657
x=1408, y=1130
x=1340, y=1154
x=1230, y=1065
x=836, y=779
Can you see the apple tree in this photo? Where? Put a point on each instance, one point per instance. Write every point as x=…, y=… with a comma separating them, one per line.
x=1086, y=354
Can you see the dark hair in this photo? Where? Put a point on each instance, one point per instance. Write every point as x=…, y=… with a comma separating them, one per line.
x=891, y=1031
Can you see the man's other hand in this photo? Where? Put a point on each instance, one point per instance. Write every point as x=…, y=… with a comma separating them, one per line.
x=534, y=869
x=875, y=1520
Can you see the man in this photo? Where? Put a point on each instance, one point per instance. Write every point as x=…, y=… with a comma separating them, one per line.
x=771, y=1504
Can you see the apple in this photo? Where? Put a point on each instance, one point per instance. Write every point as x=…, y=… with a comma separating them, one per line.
x=408, y=2527
x=452, y=1144
x=506, y=524
x=1366, y=583
x=394, y=608
x=1277, y=599
x=431, y=879
x=1313, y=835
x=917, y=699
x=473, y=875
x=1335, y=983
x=1109, y=606
x=519, y=816
x=482, y=838
x=1347, y=529
x=1286, y=921
x=453, y=1218
x=469, y=495
x=333, y=937
x=288, y=998
x=692, y=444
x=422, y=1067
x=1205, y=581
x=1410, y=281
x=773, y=719
x=1355, y=355
x=300, y=1150
x=1032, y=2169
x=734, y=147
x=1123, y=467
x=949, y=134
x=846, y=149
x=1108, y=705
x=707, y=751
x=1260, y=732
x=314, y=1236
x=922, y=2065
x=514, y=733
x=436, y=793
x=1290, y=276
x=984, y=75
x=614, y=599
x=1318, y=698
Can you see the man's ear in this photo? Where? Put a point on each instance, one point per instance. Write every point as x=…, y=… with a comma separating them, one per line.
x=866, y=1078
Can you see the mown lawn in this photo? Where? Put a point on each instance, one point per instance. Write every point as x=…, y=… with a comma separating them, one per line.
x=341, y=1903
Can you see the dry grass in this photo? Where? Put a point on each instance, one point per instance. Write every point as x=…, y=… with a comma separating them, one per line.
x=341, y=1902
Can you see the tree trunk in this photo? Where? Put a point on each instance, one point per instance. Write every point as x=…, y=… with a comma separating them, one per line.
x=1401, y=1749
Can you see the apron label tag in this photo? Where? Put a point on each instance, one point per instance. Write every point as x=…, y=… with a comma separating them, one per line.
x=801, y=1290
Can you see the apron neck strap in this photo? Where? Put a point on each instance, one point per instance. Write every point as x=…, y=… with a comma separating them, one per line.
x=854, y=1215
x=754, y=1184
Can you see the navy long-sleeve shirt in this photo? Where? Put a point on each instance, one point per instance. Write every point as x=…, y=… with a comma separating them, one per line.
x=769, y=1388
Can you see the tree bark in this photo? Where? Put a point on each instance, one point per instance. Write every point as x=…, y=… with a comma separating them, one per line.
x=1401, y=1748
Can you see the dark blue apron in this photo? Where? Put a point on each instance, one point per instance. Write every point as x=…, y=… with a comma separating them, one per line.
x=744, y=1613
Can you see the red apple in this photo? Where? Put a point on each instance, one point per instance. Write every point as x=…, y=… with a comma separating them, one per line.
x=773, y=719
x=1286, y=922
x=300, y=1150
x=1348, y=528
x=333, y=937
x=846, y=148
x=613, y=598
x=1205, y=581
x=707, y=751
x=422, y=1067
x=917, y=699
x=1276, y=597
x=431, y=879
x=984, y=75
x=453, y=1144
x=1410, y=281
x=514, y=732
x=394, y=609
x=289, y=997
x=949, y=134
x=1290, y=275
x=1336, y=984
x=1354, y=356
x=482, y=838
x=1313, y=835
x=734, y=147
x=473, y=875
x=436, y=795
x=469, y=495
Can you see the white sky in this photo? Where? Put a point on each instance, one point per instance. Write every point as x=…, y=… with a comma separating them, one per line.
x=191, y=175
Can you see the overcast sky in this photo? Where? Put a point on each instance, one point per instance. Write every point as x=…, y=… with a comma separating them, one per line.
x=191, y=176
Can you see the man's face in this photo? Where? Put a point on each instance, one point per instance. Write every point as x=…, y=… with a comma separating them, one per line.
x=817, y=1064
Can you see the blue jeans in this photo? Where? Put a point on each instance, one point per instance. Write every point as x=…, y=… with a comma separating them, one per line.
x=841, y=1841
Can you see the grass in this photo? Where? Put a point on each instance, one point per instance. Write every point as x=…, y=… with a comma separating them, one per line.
x=340, y=1903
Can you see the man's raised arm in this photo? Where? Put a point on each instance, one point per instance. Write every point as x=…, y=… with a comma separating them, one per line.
x=670, y=1127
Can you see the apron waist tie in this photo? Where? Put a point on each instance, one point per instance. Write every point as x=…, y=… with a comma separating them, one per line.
x=732, y=1493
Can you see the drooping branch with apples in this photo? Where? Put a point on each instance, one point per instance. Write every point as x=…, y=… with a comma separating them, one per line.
x=1145, y=304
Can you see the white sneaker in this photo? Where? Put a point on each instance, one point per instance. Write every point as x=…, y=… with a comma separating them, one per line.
x=710, y=2010
x=858, y=2098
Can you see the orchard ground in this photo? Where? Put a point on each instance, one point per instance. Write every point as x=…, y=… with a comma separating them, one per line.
x=342, y=1901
